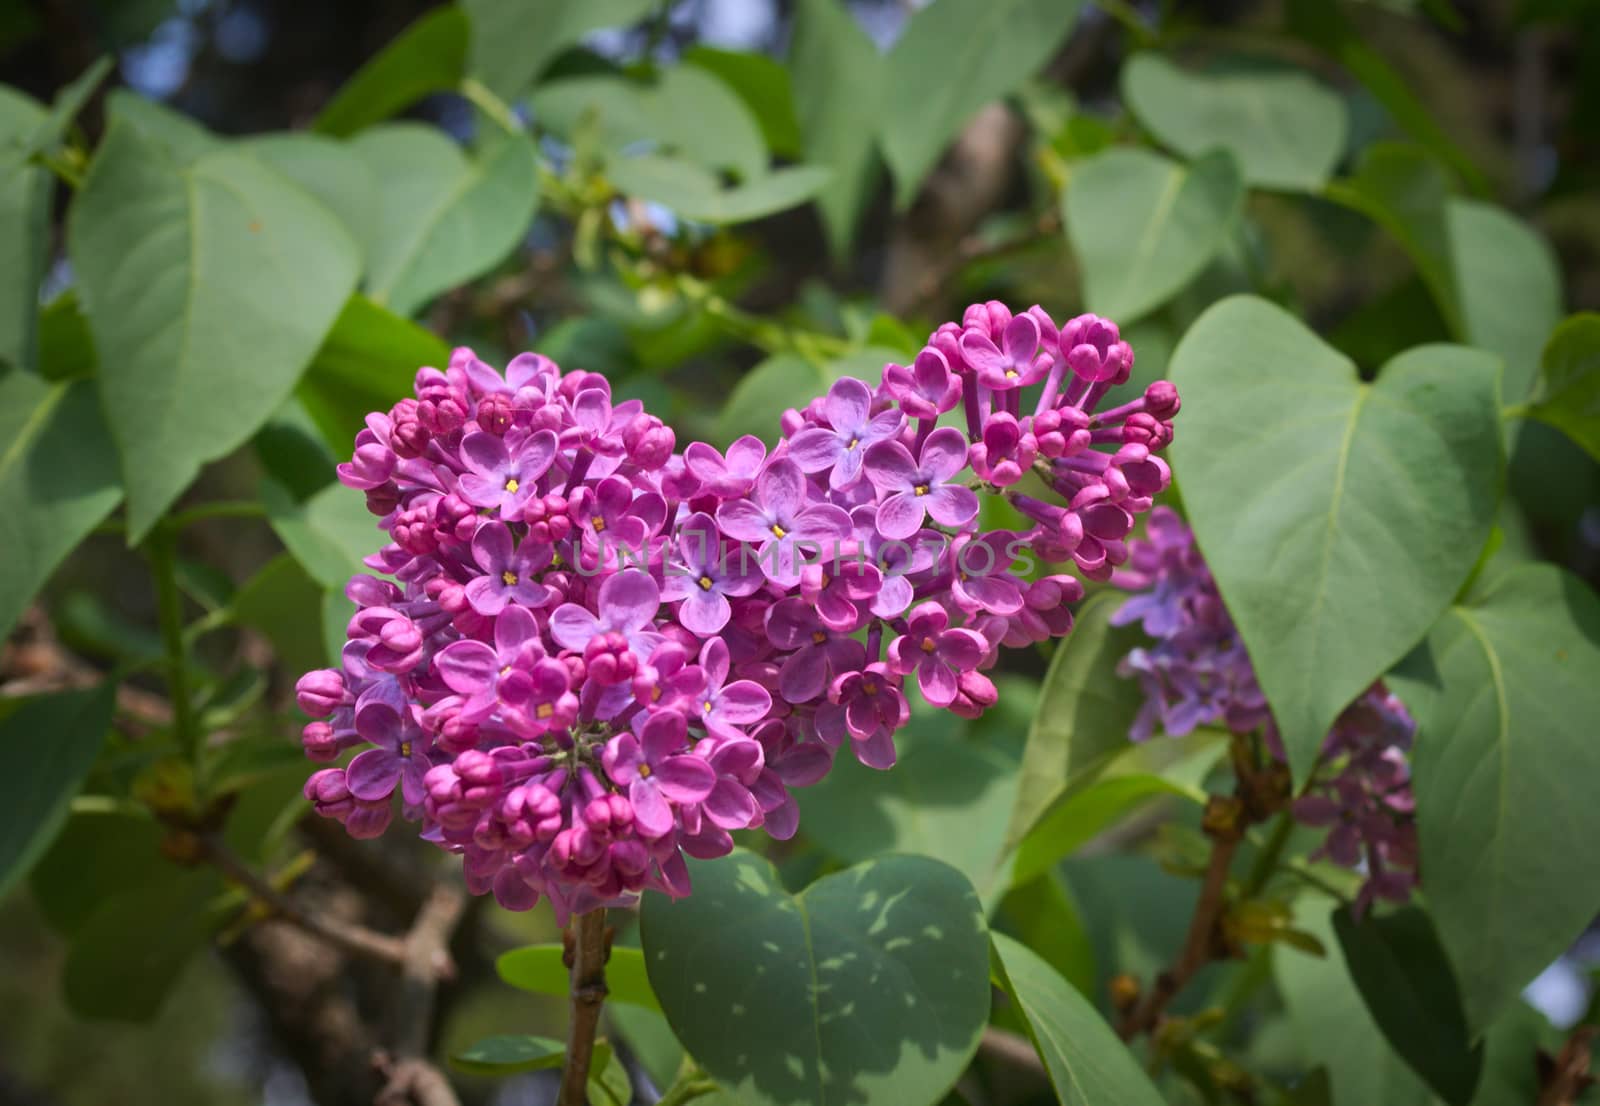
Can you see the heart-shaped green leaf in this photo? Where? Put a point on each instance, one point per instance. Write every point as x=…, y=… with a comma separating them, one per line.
x=1509, y=285
x=1283, y=128
x=24, y=228
x=1085, y=713
x=1569, y=387
x=1403, y=975
x=58, y=480
x=329, y=534
x=49, y=743
x=428, y=56
x=1505, y=761
x=441, y=217
x=208, y=286
x=871, y=986
x=695, y=193
x=838, y=85
x=1088, y=1066
x=1143, y=226
x=538, y=968
x=953, y=58
x=945, y=798
x=1338, y=517
x=513, y=41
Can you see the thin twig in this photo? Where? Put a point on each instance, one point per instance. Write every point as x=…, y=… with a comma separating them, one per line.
x=1199, y=945
x=355, y=939
x=426, y=961
x=412, y=1079
x=588, y=946
x=1564, y=1078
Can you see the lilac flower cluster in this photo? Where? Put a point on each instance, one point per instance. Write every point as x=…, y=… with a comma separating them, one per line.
x=586, y=654
x=1197, y=673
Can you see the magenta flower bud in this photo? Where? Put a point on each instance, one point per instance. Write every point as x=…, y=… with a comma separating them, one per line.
x=319, y=742
x=1161, y=400
x=975, y=694
x=408, y=438
x=629, y=857
x=495, y=414
x=320, y=692
x=608, y=659
x=441, y=408
x=1093, y=349
x=989, y=319
x=791, y=422
x=327, y=789
x=649, y=442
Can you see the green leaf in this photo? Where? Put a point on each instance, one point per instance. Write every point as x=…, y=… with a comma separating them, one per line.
x=763, y=85
x=1332, y=1026
x=1085, y=713
x=871, y=986
x=133, y=946
x=1082, y=816
x=328, y=534
x=1143, y=226
x=1338, y=517
x=58, y=480
x=69, y=101
x=782, y=381
x=66, y=349
x=696, y=194
x=1403, y=975
x=609, y=1081
x=1086, y=1062
x=1326, y=27
x=1510, y=288
x=1405, y=191
x=1568, y=397
x=428, y=56
x=441, y=218
x=208, y=288
x=285, y=603
x=368, y=361
x=508, y=1054
x=1044, y=915
x=327, y=169
x=686, y=111
x=49, y=744
x=184, y=140
x=838, y=87
x=24, y=228
x=945, y=798
x=96, y=856
x=1285, y=129
x=513, y=41
x=1505, y=699
x=538, y=968
x=954, y=57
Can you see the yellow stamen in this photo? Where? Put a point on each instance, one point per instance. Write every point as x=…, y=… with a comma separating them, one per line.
x=777, y=531
x=705, y=583
x=921, y=489
x=512, y=485
x=869, y=686
x=819, y=637
x=853, y=443
x=405, y=748
x=508, y=578
x=644, y=771
x=598, y=523
x=707, y=706
x=655, y=694
x=543, y=710
x=927, y=645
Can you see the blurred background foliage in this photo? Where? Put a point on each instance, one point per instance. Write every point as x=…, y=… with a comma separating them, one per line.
x=723, y=205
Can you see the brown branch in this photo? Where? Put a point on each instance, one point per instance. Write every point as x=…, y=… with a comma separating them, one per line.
x=345, y=936
x=588, y=947
x=1011, y=1049
x=1565, y=1077
x=413, y=1080
x=1225, y=822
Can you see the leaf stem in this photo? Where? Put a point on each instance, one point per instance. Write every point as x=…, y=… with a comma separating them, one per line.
x=1267, y=859
x=588, y=946
x=161, y=550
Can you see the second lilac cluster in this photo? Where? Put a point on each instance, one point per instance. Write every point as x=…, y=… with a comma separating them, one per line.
x=586, y=655
x=1196, y=672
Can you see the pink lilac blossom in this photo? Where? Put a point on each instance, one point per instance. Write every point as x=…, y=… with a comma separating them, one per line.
x=583, y=655
x=1197, y=673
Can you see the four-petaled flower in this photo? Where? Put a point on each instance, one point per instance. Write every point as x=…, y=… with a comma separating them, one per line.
x=852, y=429
x=917, y=488
x=651, y=766
x=705, y=572
x=937, y=653
x=503, y=473
x=780, y=516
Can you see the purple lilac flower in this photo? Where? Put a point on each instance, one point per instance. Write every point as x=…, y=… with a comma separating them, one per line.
x=916, y=488
x=852, y=429
x=572, y=729
x=705, y=573
x=1196, y=672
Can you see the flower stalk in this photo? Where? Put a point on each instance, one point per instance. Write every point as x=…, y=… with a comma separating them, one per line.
x=588, y=947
